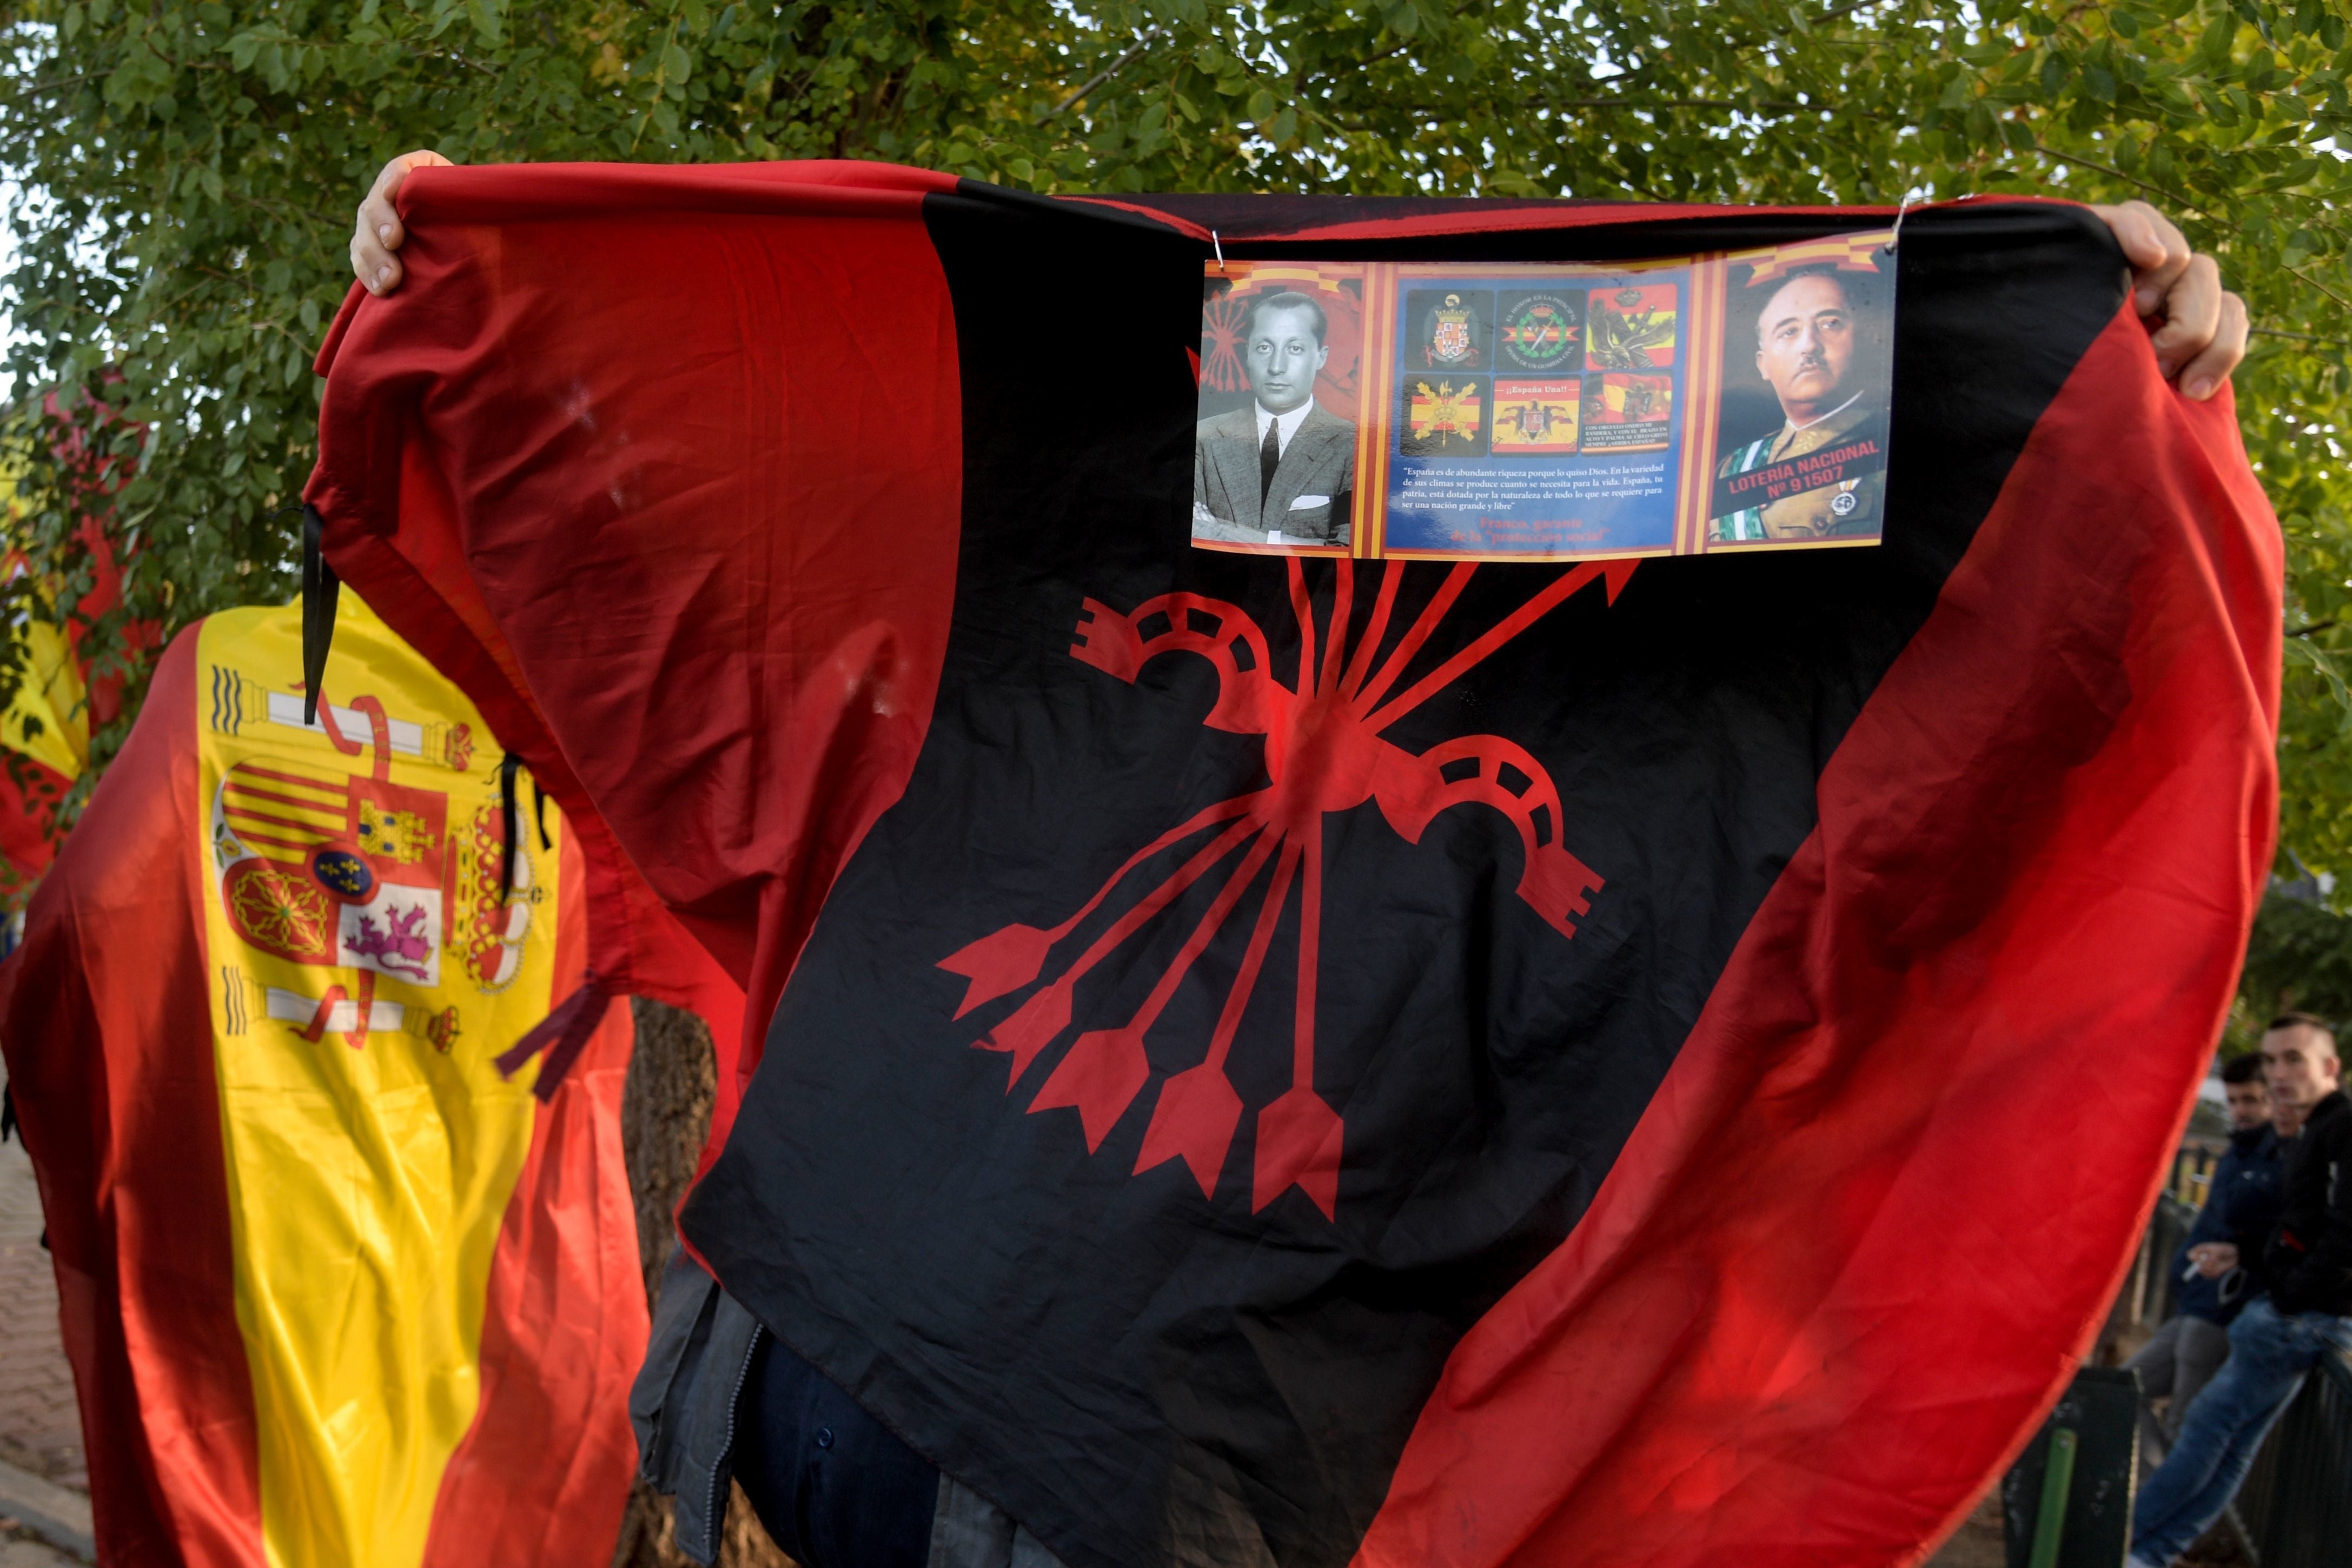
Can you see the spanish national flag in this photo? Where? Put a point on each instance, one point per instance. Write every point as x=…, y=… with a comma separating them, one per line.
x=337, y=1293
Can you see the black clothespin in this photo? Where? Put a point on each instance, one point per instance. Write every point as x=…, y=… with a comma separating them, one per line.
x=320, y=590
x=509, y=766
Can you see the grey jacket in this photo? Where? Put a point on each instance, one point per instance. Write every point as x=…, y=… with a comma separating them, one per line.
x=1321, y=461
x=683, y=1404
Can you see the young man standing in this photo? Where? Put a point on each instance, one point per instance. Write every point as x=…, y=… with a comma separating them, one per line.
x=2305, y=1313
x=2241, y=1204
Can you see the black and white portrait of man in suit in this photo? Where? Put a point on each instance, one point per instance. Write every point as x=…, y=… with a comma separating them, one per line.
x=1281, y=471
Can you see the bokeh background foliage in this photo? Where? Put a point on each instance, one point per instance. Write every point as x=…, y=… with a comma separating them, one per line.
x=183, y=176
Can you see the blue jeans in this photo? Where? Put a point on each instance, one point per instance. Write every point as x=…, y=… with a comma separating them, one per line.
x=2269, y=1354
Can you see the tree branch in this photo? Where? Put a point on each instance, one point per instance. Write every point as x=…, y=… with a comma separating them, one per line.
x=2298, y=337
x=2297, y=272
x=1834, y=14
x=1764, y=106
x=2174, y=197
x=2185, y=204
x=1150, y=36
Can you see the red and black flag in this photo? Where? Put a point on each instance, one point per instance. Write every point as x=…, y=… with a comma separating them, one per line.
x=1302, y=1061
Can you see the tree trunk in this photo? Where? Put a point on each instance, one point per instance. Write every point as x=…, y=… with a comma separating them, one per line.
x=664, y=1115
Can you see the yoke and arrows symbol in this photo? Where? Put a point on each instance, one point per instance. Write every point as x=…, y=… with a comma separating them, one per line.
x=1323, y=754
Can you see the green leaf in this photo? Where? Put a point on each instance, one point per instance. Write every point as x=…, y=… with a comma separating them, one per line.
x=2213, y=47
x=1261, y=106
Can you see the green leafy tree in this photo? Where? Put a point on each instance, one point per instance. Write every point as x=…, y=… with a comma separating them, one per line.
x=2301, y=958
x=184, y=174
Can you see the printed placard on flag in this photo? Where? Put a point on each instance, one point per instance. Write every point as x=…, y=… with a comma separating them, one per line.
x=1508, y=411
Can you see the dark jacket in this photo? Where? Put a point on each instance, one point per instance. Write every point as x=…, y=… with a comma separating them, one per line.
x=2308, y=1265
x=2241, y=1207
x=721, y=1399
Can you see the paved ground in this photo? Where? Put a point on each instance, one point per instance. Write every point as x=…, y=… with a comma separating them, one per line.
x=22, y=1552
x=1978, y=1542
x=40, y=1430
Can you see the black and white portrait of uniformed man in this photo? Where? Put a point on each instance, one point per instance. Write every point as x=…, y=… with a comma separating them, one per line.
x=1282, y=470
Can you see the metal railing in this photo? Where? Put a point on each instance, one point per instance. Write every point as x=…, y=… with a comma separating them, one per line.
x=2149, y=1293
x=2153, y=1285
x=2192, y=1170
x=2295, y=1509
